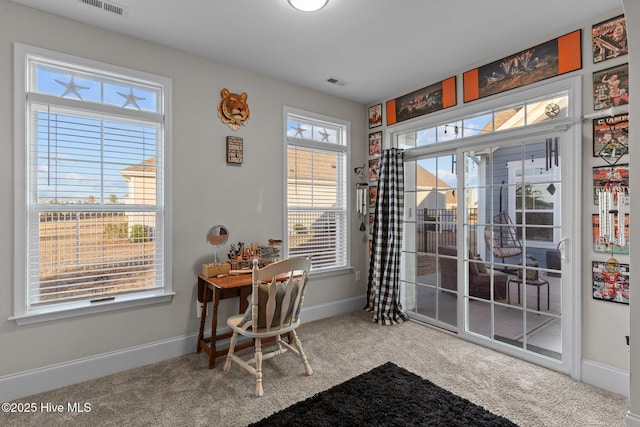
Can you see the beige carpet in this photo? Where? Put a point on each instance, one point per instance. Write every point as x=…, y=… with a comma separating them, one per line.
x=182, y=392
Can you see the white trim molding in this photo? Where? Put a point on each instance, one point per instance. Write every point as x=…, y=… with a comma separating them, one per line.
x=606, y=377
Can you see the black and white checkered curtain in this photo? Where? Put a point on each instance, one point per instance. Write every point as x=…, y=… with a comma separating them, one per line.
x=383, y=289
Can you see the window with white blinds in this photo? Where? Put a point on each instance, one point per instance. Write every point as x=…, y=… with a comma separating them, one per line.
x=316, y=183
x=90, y=176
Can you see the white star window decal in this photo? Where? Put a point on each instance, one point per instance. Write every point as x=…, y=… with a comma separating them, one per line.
x=131, y=99
x=299, y=131
x=71, y=88
x=325, y=135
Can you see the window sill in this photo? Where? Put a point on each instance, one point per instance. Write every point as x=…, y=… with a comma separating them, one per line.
x=331, y=272
x=82, y=308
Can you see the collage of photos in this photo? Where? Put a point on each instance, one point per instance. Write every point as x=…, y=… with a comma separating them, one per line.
x=373, y=164
x=610, y=278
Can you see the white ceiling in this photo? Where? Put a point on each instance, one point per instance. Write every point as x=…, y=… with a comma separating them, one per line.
x=382, y=48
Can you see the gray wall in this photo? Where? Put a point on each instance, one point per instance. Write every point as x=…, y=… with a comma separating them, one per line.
x=248, y=199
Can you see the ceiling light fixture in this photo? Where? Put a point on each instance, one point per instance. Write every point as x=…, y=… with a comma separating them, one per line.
x=308, y=5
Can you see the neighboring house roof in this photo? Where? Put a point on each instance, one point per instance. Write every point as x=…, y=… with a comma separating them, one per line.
x=425, y=180
x=146, y=168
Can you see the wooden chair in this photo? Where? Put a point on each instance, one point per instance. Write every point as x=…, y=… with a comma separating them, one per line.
x=274, y=311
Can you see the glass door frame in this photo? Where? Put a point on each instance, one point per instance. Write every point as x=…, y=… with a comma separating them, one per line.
x=570, y=131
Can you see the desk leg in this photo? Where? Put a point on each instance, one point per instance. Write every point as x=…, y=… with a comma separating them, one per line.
x=214, y=325
x=203, y=316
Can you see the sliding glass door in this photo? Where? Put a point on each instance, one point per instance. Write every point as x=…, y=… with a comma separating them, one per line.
x=430, y=192
x=484, y=252
x=513, y=240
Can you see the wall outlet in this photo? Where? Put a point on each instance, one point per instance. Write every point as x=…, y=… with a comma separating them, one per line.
x=358, y=276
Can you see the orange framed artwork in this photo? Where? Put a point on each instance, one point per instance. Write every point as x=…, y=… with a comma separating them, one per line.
x=423, y=101
x=546, y=60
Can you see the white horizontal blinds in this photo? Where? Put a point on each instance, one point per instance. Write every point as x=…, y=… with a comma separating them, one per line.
x=316, y=199
x=90, y=254
x=95, y=191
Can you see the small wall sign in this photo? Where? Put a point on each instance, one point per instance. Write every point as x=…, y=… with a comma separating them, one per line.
x=234, y=150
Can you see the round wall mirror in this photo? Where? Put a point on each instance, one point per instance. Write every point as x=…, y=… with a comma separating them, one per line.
x=217, y=236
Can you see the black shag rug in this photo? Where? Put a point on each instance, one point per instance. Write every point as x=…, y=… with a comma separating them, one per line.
x=385, y=396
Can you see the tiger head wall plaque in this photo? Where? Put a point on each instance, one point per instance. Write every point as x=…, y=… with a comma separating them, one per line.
x=233, y=109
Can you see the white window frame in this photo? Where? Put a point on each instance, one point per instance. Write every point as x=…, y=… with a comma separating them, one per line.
x=343, y=148
x=23, y=312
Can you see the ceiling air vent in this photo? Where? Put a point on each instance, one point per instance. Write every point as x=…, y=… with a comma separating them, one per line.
x=107, y=6
x=336, y=81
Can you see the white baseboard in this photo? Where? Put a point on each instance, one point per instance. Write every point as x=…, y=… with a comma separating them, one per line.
x=76, y=371
x=632, y=420
x=322, y=311
x=27, y=383
x=606, y=377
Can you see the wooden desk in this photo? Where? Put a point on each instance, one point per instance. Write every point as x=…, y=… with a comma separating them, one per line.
x=216, y=289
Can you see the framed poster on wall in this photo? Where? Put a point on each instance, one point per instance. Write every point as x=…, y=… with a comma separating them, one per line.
x=614, y=176
x=611, y=137
x=546, y=60
x=614, y=247
x=611, y=87
x=610, y=281
x=373, y=194
x=609, y=39
x=423, y=101
x=375, y=116
x=374, y=164
x=375, y=143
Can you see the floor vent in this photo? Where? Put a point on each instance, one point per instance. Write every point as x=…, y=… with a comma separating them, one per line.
x=107, y=6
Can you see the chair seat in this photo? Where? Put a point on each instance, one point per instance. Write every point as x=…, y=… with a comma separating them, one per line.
x=234, y=321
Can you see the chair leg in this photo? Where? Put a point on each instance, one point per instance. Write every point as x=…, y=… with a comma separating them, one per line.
x=258, y=345
x=305, y=363
x=232, y=346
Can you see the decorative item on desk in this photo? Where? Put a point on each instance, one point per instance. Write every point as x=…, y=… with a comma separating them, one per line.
x=217, y=236
x=241, y=256
x=212, y=270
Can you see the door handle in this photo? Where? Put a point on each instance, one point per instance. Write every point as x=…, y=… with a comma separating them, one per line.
x=561, y=249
